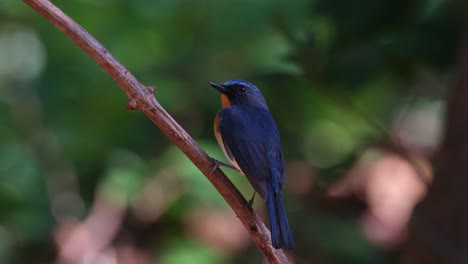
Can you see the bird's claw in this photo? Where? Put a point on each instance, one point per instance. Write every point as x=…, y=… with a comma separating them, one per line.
x=219, y=164
x=251, y=201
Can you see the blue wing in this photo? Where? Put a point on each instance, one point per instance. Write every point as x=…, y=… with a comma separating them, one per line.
x=251, y=138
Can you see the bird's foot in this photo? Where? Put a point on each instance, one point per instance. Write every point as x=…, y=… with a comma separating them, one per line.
x=251, y=201
x=221, y=164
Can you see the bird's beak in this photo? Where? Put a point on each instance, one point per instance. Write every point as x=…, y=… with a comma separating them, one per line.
x=220, y=88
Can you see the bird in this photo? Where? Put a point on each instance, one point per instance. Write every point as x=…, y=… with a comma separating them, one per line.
x=249, y=138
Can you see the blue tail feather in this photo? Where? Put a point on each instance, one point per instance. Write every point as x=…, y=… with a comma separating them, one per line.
x=281, y=235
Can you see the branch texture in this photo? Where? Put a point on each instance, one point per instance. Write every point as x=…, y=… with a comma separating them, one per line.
x=142, y=98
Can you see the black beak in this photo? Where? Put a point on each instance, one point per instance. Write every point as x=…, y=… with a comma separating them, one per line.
x=220, y=88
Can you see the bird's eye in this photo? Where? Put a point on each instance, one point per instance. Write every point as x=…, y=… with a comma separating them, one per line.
x=241, y=90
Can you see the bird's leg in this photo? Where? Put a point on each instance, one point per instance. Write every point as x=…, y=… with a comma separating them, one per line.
x=219, y=164
x=251, y=201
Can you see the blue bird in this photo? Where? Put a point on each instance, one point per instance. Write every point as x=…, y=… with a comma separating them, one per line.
x=249, y=138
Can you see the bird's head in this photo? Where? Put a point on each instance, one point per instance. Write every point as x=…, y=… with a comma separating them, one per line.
x=240, y=93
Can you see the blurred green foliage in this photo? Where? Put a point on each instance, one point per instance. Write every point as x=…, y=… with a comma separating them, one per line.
x=335, y=75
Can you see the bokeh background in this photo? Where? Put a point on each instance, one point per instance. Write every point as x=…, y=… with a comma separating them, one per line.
x=350, y=84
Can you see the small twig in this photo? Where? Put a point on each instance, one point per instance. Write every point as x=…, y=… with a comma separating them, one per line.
x=142, y=98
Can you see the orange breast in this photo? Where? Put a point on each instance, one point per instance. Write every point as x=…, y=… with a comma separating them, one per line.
x=219, y=138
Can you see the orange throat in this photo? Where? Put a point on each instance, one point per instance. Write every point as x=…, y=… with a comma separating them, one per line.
x=225, y=100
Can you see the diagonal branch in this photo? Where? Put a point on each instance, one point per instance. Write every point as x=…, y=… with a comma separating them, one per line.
x=142, y=98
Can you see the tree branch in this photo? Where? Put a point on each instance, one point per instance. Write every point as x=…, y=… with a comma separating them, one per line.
x=142, y=98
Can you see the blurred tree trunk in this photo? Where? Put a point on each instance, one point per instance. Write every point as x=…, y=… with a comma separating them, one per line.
x=439, y=225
